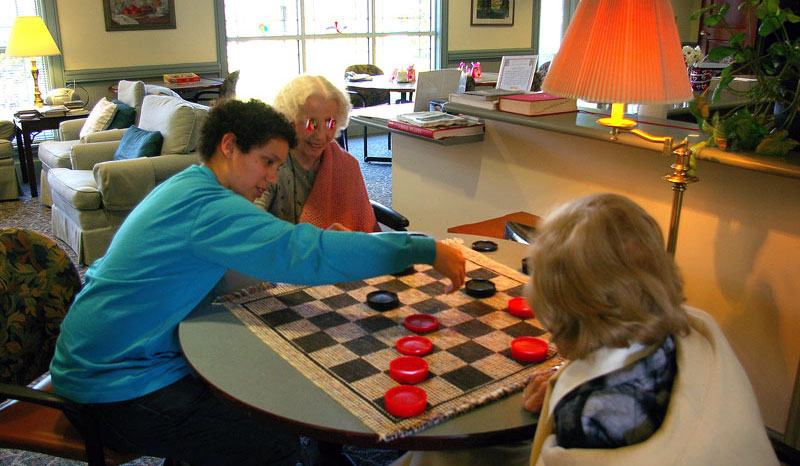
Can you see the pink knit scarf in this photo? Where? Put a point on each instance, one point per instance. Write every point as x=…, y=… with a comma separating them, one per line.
x=339, y=194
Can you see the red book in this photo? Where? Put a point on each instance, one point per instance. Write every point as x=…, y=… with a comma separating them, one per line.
x=440, y=132
x=537, y=103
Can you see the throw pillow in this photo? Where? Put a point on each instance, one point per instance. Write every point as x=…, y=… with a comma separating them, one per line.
x=124, y=117
x=99, y=117
x=137, y=143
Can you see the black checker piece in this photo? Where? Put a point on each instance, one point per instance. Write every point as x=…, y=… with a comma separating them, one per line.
x=295, y=298
x=328, y=320
x=429, y=306
x=280, y=317
x=355, y=370
x=481, y=273
x=523, y=329
x=365, y=345
x=340, y=301
x=466, y=378
x=375, y=323
x=473, y=329
x=470, y=351
x=314, y=342
x=477, y=308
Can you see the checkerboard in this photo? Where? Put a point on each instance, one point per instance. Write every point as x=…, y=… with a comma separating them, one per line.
x=335, y=339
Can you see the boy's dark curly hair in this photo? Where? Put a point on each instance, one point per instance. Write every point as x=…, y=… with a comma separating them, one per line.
x=254, y=123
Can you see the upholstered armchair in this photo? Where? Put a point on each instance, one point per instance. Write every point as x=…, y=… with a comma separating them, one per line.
x=91, y=199
x=9, y=183
x=56, y=154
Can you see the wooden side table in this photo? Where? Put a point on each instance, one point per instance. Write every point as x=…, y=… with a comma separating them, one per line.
x=27, y=129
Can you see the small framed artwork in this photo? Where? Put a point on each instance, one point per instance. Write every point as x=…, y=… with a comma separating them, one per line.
x=492, y=13
x=136, y=15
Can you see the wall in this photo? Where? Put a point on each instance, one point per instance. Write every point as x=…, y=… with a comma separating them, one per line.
x=683, y=9
x=738, y=245
x=87, y=45
x=462, y=36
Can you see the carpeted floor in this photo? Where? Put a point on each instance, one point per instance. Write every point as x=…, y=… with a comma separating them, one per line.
x=28, y=213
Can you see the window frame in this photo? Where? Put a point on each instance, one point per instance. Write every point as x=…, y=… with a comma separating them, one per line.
x=301, y=37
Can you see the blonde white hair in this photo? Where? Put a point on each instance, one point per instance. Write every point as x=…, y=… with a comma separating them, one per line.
x=296, y=92
x=601, y=277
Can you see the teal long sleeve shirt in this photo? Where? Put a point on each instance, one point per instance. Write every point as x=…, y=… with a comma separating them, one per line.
x=119, y=340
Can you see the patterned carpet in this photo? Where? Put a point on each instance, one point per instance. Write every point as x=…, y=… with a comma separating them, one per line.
x=28, y=213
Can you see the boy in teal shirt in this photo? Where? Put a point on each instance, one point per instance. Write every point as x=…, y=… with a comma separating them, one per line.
x=118, y=351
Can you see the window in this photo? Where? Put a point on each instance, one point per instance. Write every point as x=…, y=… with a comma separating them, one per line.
x=16, y=82
x=271, y=42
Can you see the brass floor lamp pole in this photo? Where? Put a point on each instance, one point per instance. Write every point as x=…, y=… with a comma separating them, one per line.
x=679, y=177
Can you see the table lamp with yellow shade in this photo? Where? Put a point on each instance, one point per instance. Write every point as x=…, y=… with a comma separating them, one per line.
x=627, y=52
x=30, y=38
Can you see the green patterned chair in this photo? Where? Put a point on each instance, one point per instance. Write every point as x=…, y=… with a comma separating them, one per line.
x=37, y=285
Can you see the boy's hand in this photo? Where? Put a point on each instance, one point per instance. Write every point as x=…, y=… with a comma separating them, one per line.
x=450, y=262
x=533, y=397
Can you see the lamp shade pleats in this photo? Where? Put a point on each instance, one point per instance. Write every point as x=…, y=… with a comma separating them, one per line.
x=624, y=51
x=30, y=38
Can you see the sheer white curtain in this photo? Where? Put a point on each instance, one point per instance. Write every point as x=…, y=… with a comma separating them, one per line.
x=16, y=82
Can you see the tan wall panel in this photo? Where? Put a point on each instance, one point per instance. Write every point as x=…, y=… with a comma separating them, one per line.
x=87, y=45
x=462, y=36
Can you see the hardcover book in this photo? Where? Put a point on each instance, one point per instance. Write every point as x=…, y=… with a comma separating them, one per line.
x=438, y=132
x=537, y=103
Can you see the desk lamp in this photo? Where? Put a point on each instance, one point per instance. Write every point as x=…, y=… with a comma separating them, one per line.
x=625, y=52
x=30, y=38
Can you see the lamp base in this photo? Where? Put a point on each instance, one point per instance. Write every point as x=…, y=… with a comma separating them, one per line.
x=37, y=96
x=617, y=118
x=616, y=122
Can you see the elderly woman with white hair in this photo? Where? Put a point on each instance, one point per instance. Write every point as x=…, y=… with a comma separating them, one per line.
x=319, y=183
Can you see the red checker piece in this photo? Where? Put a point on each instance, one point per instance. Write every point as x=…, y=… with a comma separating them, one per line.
x=414, y=345
x=405, y=400
x=528, y=349
x=408, y=369
x=421, y=323
x=519, y=307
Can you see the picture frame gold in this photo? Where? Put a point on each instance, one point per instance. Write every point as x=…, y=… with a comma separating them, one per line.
x=492, y=13
x=133, y=15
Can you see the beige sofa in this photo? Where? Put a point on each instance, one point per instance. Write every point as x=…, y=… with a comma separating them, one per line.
x=56, y=154
x=91, y=199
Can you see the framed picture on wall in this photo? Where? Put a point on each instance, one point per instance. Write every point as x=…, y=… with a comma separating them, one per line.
x=492, y=13
x=136, y=15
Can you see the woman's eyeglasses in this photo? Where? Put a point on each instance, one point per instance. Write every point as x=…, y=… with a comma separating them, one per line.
x=312, y=124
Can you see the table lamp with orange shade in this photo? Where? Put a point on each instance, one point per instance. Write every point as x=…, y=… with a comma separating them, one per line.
x=627, y=52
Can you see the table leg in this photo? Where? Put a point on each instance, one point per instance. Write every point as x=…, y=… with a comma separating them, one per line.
x=26, y=137
x=21, y=155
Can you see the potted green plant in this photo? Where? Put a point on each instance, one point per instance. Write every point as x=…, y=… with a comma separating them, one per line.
x=763, y=124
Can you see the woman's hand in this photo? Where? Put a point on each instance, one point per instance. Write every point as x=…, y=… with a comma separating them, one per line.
x=533, y=397
x=450, y=262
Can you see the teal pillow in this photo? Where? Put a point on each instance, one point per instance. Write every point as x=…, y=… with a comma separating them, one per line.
x=125, y=116
x=137, y=143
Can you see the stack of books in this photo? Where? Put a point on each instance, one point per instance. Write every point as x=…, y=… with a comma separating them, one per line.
x=536, y=104
x=482, y=98
x=437, y=125
x=180, y=78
